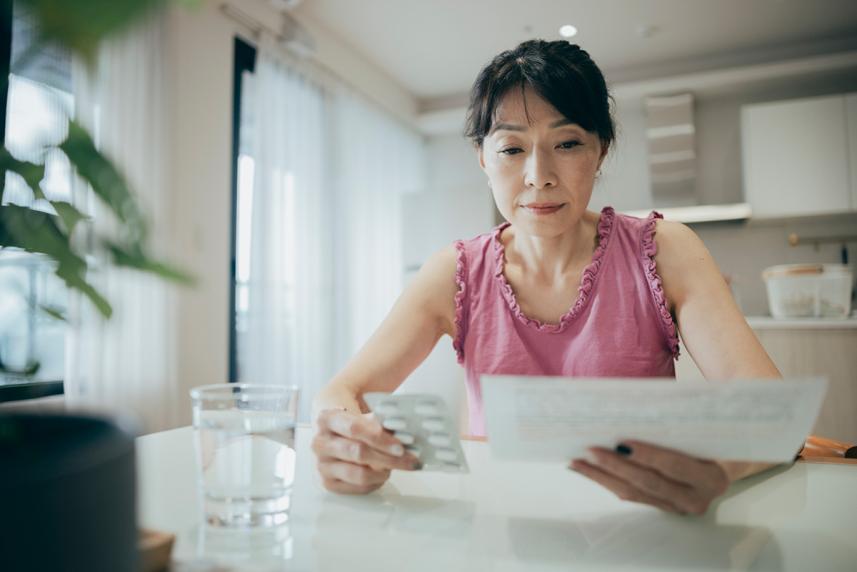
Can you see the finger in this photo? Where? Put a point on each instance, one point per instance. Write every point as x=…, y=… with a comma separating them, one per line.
x=365, y=429
x=647, y=480
x=620, y=488
x=360, y=453
x=360, y=475
x=337, y=486
x=698, y=473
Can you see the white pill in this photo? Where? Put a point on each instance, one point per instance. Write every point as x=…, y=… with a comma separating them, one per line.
x=439, y=439
x=446, y=455
x=435, y=424
x=405, y=438
x=414, y=450
x=426, y=408
x=395, y=424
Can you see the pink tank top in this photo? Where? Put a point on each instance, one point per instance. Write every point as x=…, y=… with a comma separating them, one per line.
x=619, y=326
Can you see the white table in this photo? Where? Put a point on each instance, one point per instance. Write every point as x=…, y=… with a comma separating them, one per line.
x=506, y=516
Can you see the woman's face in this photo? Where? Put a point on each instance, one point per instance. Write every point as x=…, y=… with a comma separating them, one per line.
x=541, y=171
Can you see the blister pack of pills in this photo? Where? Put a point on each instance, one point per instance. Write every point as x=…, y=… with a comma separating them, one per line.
x=423, y=424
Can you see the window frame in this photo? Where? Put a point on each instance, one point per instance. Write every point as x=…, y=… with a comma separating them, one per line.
x=244, y=60
x=26, y=389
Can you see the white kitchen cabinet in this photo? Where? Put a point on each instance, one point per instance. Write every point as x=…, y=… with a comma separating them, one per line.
x=796, y=156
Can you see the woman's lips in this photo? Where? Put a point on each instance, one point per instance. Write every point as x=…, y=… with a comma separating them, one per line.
x=543, y=208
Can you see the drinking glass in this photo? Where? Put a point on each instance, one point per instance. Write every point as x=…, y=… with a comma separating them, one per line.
x=245, y=452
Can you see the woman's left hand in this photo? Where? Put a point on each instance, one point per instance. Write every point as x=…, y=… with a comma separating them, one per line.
x=663, y=478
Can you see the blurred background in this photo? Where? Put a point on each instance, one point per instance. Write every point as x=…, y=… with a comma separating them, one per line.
x=303, y=158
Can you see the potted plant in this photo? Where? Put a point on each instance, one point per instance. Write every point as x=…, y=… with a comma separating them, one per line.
x=70, y=478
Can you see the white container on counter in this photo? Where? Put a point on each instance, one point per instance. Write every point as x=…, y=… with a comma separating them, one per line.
x=809, y=290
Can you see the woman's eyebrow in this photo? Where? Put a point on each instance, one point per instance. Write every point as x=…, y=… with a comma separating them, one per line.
x=507, y=127
x=515, y=127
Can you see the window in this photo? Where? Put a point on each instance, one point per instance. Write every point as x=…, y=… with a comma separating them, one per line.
x=37, y=101
x=319, y=173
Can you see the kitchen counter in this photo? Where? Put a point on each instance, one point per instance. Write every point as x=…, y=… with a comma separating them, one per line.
x=770, y=323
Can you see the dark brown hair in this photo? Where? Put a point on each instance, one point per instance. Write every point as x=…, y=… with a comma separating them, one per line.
x=561, y=73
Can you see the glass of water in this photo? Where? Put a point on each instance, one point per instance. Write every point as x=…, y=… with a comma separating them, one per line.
x=245, y=452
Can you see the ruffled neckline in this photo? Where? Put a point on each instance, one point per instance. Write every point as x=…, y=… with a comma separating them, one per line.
x=587, y=279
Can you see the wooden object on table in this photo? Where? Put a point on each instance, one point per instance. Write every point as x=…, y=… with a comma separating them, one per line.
x=155, y=549
x=823, y=450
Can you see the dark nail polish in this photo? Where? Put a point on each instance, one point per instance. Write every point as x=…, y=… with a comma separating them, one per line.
x=623, y=449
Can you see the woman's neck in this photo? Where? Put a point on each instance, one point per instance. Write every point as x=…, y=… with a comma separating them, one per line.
x=552, y=258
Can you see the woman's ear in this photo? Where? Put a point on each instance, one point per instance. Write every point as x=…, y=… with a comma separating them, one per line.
x=604, y=150
x=481, y=158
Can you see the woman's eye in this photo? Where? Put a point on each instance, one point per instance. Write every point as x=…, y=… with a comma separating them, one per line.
x=569, y=144
x=511, y=151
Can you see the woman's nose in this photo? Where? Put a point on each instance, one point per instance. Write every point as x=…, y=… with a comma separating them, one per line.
x=539, y=171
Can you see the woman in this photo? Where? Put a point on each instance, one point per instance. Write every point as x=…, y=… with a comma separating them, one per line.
x=557, y=290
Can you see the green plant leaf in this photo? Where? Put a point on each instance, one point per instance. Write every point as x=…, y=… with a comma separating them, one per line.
x=106, y=181
x=53, y=312
x=37, y=231
x=69, y=214
x=80, y=26
x=32, y=173
x=134, y=258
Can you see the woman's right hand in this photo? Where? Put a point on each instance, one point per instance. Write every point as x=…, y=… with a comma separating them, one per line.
x=355, y=453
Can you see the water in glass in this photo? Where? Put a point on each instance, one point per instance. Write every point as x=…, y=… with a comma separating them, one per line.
x=247, y=465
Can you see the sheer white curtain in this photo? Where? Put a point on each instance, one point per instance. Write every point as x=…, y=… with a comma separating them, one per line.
x=378, y=160
x=127, y=364
x=326, y=264
x=289, y=313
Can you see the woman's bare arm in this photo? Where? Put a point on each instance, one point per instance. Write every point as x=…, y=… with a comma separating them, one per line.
x=713, y=329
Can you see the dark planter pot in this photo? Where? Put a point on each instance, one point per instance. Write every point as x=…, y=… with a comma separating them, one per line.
x=68, y=494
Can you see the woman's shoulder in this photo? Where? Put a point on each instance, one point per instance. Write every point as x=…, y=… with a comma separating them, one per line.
x=666, y=238
x=681, y=259
x=450, y=258
x=676, y=241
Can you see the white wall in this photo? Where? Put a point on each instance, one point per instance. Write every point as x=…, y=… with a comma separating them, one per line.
x=456, y=203
x=743, y=250
x=624, y=176
x=200, y=47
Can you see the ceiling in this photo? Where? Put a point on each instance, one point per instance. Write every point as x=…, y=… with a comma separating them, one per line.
x=435, y=48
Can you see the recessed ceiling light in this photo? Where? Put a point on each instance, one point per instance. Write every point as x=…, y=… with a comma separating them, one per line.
x=568, y=31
